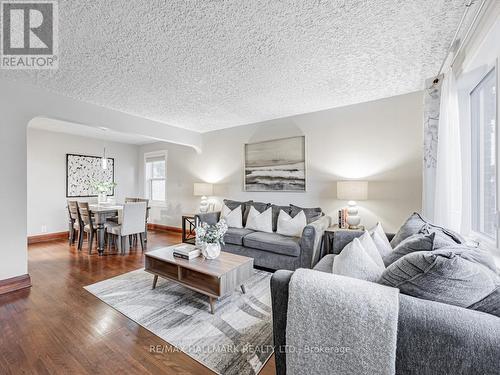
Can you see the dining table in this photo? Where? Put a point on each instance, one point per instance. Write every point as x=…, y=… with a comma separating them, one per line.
x=103, y=212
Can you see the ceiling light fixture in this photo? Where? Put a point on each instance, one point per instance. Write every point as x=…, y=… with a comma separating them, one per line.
x=104, y=160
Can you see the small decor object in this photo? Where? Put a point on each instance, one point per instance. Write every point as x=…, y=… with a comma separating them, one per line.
x=102, y=189
x=352, y=190
x=210, y=237
x=277, y=165
x=186, y=252
x=82, y=171
x=203, y=190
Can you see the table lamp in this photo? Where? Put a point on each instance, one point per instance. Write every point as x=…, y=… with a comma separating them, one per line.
x=203, y=190
x=352, y=191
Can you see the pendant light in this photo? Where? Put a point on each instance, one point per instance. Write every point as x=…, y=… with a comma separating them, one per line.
x=104, y=160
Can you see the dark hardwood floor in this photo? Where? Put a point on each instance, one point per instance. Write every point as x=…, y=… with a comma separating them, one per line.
x=57, y=327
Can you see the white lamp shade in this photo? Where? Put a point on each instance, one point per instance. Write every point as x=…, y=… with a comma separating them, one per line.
x=203, y=189
x=352, y=190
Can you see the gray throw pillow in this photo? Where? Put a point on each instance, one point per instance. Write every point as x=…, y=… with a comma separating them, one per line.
x=474, y=254
x=233, y=204
x=418, y=224
x=417, y=242
x=312, y=214
x=490, y=304
x=442, y=276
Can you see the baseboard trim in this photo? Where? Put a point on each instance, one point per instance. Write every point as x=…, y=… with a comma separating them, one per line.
x=164, y=228
x=48, y=237
x=15, y=283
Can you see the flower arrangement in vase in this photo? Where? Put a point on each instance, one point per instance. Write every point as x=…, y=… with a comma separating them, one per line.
x=210, y=237
x=102, y=190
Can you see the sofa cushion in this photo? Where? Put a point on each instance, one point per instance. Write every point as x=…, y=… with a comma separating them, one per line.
x=490, y=304
x=325, y=264
x=442, y=276
x=260, y=221
x=259, y=206
x=418, y=224
x=235, y=236
x=276, y=213
x=371, y=249
x=291, y=226
x=312, y=214
x=233, y=218
x=273, y=242
x=354, y=261
x=380, y=239
x=233, y=204
x=417, y=242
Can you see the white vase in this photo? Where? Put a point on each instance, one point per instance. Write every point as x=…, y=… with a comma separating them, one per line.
x=102, y=198
x=211, y=250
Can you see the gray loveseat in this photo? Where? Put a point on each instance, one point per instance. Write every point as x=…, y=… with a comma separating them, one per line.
x=433, y=338
x=272, y=250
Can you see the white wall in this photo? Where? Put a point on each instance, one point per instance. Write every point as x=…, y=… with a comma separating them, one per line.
x=379, y=141
x=180, y=181
x=47, y=175
x=19, y=104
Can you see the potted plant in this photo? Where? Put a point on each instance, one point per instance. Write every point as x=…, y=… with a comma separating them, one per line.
x=210, y=237
x=102, y=190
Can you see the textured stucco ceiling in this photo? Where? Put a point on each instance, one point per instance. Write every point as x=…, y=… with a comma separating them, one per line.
x=211, y=64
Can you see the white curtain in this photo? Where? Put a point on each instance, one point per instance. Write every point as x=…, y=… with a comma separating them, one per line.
x=448, y=180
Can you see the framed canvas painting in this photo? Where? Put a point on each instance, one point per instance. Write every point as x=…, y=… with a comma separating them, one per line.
x=83, y=171
x=276, y=165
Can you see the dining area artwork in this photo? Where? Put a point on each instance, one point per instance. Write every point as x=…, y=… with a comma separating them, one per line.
x=104, y=224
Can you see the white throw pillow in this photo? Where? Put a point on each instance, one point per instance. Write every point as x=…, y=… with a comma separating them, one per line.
x=262, y=222
x=291, y=226
x=234, y=218
x=354, y=261
x=380, y=239
x=371, y=249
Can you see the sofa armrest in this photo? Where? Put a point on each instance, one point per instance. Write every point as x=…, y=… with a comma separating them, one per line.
x=210, y=218
x=279, y=296
x=433, y=337
x=311, y=240
x=436, y=338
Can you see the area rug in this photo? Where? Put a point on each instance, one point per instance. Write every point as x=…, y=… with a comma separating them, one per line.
x=237, y=339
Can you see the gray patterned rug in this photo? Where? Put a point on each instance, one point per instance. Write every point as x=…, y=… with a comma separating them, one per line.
x=237, y=339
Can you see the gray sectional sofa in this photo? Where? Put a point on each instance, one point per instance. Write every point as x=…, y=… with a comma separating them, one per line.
x=272, y=250
x=432, y=337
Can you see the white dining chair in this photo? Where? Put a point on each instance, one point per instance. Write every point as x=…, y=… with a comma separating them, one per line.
x=132, y=222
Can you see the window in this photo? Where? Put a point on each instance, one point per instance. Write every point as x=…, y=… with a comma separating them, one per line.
x=483, y=104
x=156, y=177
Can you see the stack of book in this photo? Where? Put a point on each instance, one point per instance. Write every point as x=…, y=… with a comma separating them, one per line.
x=187, y=252
x=343, y=219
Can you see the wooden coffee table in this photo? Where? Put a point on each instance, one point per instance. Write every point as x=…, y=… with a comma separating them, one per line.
x=214, y=278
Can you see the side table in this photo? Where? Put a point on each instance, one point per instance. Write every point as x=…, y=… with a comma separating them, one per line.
x=332, y=239
x=188, y=228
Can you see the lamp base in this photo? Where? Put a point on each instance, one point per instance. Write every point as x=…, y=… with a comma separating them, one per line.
x=203, y=204
x=352, y=215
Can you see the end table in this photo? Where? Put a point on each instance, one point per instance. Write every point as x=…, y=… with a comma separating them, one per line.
x=189, y=222
x=331, y=235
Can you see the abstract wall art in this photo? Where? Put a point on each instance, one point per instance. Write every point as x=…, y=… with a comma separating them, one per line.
x=82, y=172
x=276, y=165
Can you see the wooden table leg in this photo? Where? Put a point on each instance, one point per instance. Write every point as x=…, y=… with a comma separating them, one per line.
x=243, y=289
x=100, y=236
x=212, y=305
x=155, y=280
